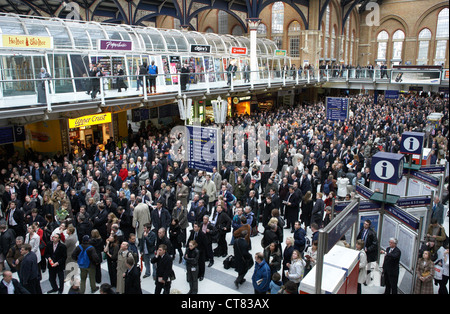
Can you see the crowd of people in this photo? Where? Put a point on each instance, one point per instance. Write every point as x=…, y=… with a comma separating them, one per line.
x=136, y=209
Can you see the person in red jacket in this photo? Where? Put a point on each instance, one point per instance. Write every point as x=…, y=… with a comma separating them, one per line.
x=123, y=173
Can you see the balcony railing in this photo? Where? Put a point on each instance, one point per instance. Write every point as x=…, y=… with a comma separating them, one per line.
x=24, y=92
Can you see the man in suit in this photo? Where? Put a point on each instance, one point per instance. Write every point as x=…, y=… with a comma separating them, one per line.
x=369, y=236
x=291, y=208
x=391, y=266
x=132, y=277
x=438, y=210
x=56, y=253
x=160, y=217
x=223, y=226
x=15, y=219
x=29, y=270
x=164, y=270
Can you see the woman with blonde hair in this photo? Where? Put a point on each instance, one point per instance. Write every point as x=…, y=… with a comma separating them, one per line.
x=296, y=268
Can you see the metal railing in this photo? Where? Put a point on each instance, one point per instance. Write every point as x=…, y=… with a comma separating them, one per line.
x=25, y=92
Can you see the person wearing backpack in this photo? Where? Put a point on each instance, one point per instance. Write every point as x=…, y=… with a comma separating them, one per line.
x=86, y=258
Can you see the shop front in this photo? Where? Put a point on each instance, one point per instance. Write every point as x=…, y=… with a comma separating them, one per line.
x=90, y=130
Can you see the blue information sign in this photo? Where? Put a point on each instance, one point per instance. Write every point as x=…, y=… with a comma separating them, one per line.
x=337, y=108
x=391, y=94
x=412, y=143
x=203, y=148
x=387, y=168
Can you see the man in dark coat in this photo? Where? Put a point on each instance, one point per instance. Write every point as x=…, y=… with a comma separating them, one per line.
x=391, y=266
x=242, y=257
x=318, y=210
x=164, y=270
x=223, y=226
x=7, y=241
x=132, y=277
x=56, y=253
x=29, y=270
x=160, y=216
x=369, y=236
x=10, y=285
x=99, y=221
x=184, y=77
x=291, y=208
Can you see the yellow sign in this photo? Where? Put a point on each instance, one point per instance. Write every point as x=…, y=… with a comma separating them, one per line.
x=90, y=120
x=24, y=41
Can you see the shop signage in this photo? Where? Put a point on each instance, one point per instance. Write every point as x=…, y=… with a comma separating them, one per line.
x=90, y=120
x=239, y=50
x=30, y=42
x=280, y=52
x=121, y=45
x=201, y=48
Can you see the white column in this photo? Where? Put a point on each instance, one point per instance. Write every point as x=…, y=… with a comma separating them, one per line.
x=253, y=24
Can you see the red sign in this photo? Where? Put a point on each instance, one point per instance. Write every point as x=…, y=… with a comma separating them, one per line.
x=239, y=50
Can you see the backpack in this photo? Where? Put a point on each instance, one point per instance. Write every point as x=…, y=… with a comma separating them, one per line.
x=229, y=262
x=83, y=258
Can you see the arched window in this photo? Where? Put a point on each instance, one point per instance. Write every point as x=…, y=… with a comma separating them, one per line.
x=176, y=23
x=277, y=17
x=223, y=22
x=277, y=23
x=424, y=43
x=294, y=39
x=382, y=40
x=237, y=30
x=442, y=34
x=262, y=30
x=326, y=32
x=397, y=45
x=209, y=30
x=333, y=42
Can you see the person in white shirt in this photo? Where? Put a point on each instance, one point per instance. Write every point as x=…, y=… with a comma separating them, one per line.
x=10, y=285
x=33, y=239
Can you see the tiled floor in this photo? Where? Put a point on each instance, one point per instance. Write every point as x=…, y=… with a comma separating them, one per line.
x=219, y=280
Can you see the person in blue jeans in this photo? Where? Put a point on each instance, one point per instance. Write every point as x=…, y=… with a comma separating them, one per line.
x=262, y=275
x=147, y=247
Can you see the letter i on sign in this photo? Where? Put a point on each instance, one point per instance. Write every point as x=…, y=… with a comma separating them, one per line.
x=384, y=168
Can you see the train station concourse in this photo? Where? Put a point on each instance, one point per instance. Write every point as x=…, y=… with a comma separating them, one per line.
x=302, y=145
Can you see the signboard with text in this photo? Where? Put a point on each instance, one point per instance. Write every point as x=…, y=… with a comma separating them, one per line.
x=26, y=41
x=203, y=148
x=337, y=108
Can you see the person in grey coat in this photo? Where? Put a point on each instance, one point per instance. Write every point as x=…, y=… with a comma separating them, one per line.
x=41, y=92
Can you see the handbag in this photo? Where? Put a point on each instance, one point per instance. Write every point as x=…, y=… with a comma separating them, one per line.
x=437, y=272
x=382, y=279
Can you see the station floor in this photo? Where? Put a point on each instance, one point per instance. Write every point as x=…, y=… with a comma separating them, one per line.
x=219, y=280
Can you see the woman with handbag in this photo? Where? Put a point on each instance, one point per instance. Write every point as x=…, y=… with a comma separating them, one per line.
x=243, y=258
x=424, y=275
x=191, y=257
x=176, y=238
